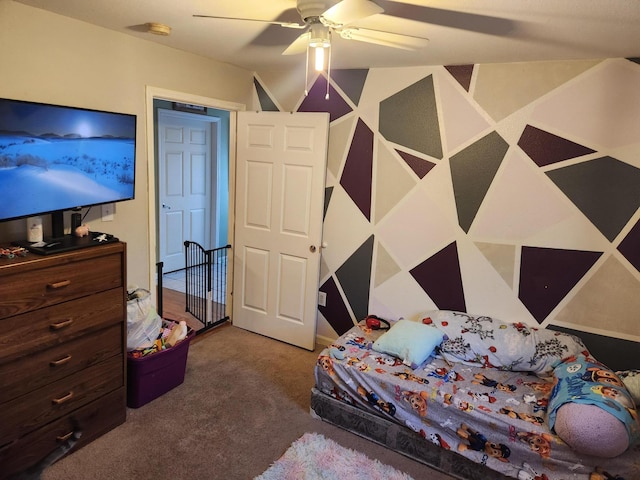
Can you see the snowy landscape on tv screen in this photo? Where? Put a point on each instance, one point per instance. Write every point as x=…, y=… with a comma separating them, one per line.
x=58, y=158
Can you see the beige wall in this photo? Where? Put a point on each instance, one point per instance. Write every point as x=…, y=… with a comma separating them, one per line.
x=53, y=59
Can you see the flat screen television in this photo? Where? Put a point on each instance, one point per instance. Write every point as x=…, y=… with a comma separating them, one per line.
x=55, y=158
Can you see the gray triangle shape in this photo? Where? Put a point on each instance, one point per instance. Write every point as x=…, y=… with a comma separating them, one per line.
x=472, y=171
x=355, y=276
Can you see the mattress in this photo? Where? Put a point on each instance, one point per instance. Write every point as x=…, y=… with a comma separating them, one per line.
x=480, y=416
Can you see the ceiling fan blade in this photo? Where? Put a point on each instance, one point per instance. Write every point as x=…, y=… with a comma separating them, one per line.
x=387, y=39
x=299, y=45
x=282, y=24
x=348, y=11
x=472, y=22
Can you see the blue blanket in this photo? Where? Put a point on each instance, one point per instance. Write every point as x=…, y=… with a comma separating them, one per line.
x=581, y=379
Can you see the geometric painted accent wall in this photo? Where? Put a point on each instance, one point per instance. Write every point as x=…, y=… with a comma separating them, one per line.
x=472, y=172
x=266, y=102
x=439, y=276
x=315, y=101
x=547, y=275
x=419, y=166
x=606, y=190
x=356, y=176
x=516, y=202
x=354, y=276
x=462, y=74
x=545, y=148
x=629, y=246
x=410, y=118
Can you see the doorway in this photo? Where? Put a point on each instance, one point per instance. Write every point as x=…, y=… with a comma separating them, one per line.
x=213, y=225
x=290, y=217
x=193, y=177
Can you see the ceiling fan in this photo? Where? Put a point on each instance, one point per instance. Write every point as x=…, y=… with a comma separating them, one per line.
x=320, y=23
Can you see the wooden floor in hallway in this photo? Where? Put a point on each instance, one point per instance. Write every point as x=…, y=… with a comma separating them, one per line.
x=173, y=308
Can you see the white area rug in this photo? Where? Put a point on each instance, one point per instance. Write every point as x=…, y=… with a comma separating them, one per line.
x=313, y=457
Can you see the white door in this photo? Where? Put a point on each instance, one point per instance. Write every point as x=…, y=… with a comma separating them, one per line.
x=184, y=186
x=280, y=178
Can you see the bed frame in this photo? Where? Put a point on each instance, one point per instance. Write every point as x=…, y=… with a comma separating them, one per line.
x=397, y=438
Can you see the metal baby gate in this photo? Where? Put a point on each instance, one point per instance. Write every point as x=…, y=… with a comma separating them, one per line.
x=206, y=283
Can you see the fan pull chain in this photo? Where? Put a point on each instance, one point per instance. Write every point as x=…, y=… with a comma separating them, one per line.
x=326, y=97
x=306, y=73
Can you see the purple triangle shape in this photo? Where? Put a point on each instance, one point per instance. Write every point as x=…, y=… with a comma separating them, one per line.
x=358, y=169
x=419, y=166
x=545, y=148
x=547, y=275
x=440, y=278
x=335, y=311
x=315, y=101
x=630, y=246
x=462, y=74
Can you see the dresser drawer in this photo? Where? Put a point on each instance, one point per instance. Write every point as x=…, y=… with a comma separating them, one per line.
x=30, y=290
x=36, y=331
x=47, y=366
x=93, y=420
x=29, y=412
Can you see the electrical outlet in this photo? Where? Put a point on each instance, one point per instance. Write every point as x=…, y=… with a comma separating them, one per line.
x=107, y=212
x=322, y=299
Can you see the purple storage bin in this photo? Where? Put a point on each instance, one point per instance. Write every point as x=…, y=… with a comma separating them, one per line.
x=154, y=375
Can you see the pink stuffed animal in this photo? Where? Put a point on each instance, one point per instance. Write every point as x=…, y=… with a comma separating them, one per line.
x=82, y=230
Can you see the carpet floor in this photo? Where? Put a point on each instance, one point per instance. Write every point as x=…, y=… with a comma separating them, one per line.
x=244, y=400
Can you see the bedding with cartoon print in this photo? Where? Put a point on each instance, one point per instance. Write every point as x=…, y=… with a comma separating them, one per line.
x=492, y=416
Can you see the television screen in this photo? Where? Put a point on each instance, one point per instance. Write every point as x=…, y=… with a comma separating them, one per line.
x=55, y=158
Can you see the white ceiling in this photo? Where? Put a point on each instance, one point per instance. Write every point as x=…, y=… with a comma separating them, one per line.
x=460, y=31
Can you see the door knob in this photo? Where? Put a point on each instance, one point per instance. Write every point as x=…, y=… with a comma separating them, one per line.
x=164, y=205
x=312, y=248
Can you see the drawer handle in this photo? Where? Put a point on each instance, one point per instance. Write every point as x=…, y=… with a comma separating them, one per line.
x=63, y=324
x=62, y=361
x=64, y=438
x=56, y=285
x=61, y=400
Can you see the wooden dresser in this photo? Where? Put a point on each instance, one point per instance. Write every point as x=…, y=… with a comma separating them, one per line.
x=62, y=350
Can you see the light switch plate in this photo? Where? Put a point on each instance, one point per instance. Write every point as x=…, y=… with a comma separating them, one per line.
x=107, y=212
x=322, y=299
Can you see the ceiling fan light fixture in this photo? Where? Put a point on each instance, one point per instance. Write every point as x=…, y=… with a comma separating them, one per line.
x=320, y=36
x=319, y=42
x=320, y=23
x=158, y=28
x=319, y=59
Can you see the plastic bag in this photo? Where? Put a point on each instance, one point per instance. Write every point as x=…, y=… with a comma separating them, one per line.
x=143, y=321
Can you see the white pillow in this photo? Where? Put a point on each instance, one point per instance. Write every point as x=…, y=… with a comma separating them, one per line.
x=411, y=342
x=631, y=380
x=479, y=339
